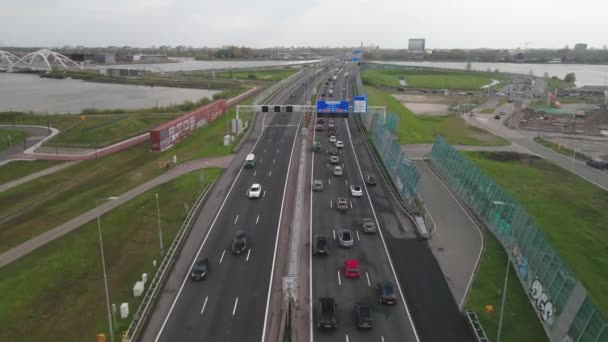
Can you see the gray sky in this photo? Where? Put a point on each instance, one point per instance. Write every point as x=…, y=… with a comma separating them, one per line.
x=268, y=23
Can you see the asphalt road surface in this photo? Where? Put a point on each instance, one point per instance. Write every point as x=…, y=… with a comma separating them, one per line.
x=230, y=304
x=35, y=135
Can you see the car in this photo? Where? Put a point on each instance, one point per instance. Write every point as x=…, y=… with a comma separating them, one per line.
x=317, y=185
x=342, y=204
x=292, y=95
x=333, y=151
x=345, y=238
x=368, y=225
x=239, y=243
x=338, y=171
x=351, y=269
x=255, y=191
x=332, y=139
x=363, y=316
x=370, y=180
x=334, y=159
x=326, y=313
x=331, y=95
x=331, y=130
x=320, y=121
x=199, y=270
x=497, y=117
x=598, y=163
x=386, y=293
x=319, y=128
x=356, y=191
x=510, y=101
x=502, y=113
x=339, y=144
x=321, y=245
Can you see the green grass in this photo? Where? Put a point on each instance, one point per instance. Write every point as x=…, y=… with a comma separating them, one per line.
x=569, y=210
x=519, y=320
x=428, y=78
x=559, y=84
x=258, y=74
x=57, y=290
x=561, y=149
x=11, y=137
x=423, y=129
x=488, y=110
x=18, y=169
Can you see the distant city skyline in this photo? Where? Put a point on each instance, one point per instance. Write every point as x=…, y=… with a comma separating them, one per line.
x=444, y=24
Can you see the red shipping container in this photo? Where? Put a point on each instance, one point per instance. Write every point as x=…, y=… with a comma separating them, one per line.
x=167, y=134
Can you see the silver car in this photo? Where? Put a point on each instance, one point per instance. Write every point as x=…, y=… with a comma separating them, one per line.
x=317, y=185
x=342, y=204
x=368, y=225
x=345, y=238
x=338, y=171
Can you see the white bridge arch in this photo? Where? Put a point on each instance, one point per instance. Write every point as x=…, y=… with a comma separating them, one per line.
x=44, y=60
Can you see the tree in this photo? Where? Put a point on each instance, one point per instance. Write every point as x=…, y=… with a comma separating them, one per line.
x=570, y=77
x=468, y=67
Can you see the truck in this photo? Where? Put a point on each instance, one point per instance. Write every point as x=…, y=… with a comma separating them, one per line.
x=250, y=160
x=326, y=313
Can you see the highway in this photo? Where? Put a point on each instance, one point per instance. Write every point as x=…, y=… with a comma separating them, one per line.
x=231, y=304
x=391, y=323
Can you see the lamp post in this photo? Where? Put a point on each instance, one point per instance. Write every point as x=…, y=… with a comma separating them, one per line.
x=103, y=265
x=504, y=289
x=160, y=232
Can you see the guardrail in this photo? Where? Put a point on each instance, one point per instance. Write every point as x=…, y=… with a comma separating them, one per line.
x=143, y=311
x=475, y=324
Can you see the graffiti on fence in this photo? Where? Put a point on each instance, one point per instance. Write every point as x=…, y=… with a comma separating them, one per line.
x=543, y=302
x=521, y=261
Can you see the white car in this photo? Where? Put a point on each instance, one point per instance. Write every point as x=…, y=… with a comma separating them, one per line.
x=255, y=191
x=338, y=171
x=332, y=139
x=334, y=159
x=339, y=144
x=356, y=191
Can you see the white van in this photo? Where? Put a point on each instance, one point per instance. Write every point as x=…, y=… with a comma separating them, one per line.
x=250, y=160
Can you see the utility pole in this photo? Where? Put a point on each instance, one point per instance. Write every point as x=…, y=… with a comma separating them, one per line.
x=160, y=232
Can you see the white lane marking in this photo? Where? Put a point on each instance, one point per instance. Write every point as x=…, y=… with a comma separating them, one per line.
x=264, y=150
x=347, y=338
x=343, y=166
x=351, y=204
x=236, y=219
x=270, y=173
x=254, y=172
x=277, y=150
x=236, y=302
x=261, y=159
x=331, y=203
x=382, y=338
x=222, y=257
x=368, y=282
x=334, y=231
x=339, y=280
x=248, y=252
x=276, y=241
x=274, y=161
x=217, y=215
x=329, y=181
x=358, y=238
x=257, y=219
x=346, y=181
x=204, y=304
x=390, y=262
x=264, y=195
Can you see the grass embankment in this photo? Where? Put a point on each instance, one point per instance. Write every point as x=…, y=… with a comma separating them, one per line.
x=556, y=83
x=488, y=110
x=68, y=193
x=268, y=75
x=18, y=169
x=423, y=129
x=569, y=210
x=11, y=137
x=430, y=79
x=58, y=289
x=561, y=149
x=519, y=320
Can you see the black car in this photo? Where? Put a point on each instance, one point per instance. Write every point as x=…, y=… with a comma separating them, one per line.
x=199, y=270
x=321, y=247
x=239, y=244
x=363, y=316
x=333, y=151
x=370, y=180
x=386, y=293
x=326, y=313
x=598, y=163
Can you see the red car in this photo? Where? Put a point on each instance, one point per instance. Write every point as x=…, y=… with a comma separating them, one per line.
x=351, y=269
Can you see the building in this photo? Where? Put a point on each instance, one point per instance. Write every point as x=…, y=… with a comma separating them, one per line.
x=150, y=58
x=580, y=48
x=416, y=45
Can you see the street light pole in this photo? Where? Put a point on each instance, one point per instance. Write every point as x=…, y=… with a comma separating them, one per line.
x=103, y=266
x=160, y=232
x=504, y=288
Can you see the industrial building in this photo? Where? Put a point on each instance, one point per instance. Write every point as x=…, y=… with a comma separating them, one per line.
x=416, y=45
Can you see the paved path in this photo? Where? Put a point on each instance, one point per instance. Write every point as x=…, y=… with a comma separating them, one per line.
x=36, y=135
x=35, y=175
x=59, y=231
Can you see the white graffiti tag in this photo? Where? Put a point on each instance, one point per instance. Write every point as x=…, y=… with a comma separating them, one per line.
x=543, y=304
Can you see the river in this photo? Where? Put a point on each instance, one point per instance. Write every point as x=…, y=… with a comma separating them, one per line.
x=28, y=92
x=586, y=74
x=187, y=64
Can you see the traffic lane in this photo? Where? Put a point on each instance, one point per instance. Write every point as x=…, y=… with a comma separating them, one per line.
x=219, y=249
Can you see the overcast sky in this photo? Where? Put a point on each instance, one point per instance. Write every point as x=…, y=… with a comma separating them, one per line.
x=269, y=23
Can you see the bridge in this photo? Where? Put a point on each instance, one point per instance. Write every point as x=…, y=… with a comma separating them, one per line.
x=43, y=60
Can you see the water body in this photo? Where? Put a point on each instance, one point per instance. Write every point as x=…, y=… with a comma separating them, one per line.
x=586, y=74
x=27, y=92
x=191, y=64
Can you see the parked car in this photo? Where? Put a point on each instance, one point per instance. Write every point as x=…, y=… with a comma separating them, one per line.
x=370, y=180
x=321, y=245
x=363, y=316
x=317, y=185
x=239, y=243
x=356, y=191
x=345, y=238
x=368, y=225
x=199, y=270
x=351, y=269
x=386, y=293
x=342, y=204
x=338, y=170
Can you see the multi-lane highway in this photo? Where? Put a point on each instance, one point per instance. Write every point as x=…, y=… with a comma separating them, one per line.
x=231, y=304
x=390, y=322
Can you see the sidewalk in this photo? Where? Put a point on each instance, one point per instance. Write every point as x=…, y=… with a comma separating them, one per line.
x=59, y=231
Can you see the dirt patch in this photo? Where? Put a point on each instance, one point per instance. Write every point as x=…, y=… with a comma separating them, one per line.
x=449, y=100
x=434, y=109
